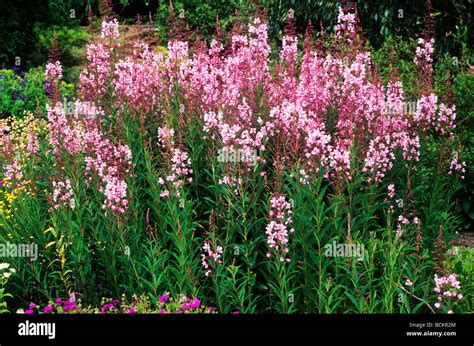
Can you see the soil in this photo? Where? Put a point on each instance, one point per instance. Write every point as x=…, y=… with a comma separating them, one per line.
x=464, y=239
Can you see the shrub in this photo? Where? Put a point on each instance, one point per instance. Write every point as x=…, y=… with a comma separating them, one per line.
x=298, y=183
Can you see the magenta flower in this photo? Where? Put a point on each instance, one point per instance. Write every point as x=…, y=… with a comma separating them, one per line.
x=32, y=306
x=195, y=304
x=164, y=298
x=69, y=306
x=107, y=307
x=131, y=311
x=28, y=312
x=47, y=309
x=59, y=301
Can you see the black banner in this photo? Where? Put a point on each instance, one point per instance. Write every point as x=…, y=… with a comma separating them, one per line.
x=237, y=329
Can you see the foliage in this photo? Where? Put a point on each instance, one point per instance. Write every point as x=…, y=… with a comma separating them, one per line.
x=17, y=28
x=291, y=181
x=23, y=93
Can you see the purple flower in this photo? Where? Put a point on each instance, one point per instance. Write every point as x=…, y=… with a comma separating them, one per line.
x=185, y=307
x=59, y=301
x=236, y=312
x=164, y=298
x=107, y=307
x=115, y=301
x=211, y=308
x=179, y=311
x=32, y=306
x=196, y=303
x=68, y=306
x=72, y=298
x=161, y=312
x=47, y=309
x=131, y=311
x=28, y=312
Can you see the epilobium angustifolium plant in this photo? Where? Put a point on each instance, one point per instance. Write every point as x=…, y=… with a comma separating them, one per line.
x=223, y=172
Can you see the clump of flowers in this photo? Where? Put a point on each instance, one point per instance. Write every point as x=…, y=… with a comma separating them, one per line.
x=5, y=273
x=345, y=26
x=457, y=166
x=110, y=29
x=25, y=133
x=210, y=258
x=278, y=229
x=424, y=51
x=62, y=194
x=137, y=305
x=448, y=289
x=391, y=190
x=179, y=164
x=53, y=75
x=12, y=185
x=53, y=71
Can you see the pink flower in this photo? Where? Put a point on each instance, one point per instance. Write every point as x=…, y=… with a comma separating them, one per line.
x=110, y=29
x=164, y=298
x=424, y=52
x=211, y=258
x=179, y=170
x=53, y=71
x=391, y=191
x=63, y=194
x=195, y=304
x=279, y=227
x=447, y=288
x=47, y=309
x=408, y=283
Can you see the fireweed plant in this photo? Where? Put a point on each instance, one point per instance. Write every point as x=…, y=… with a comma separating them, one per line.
x=293, y=183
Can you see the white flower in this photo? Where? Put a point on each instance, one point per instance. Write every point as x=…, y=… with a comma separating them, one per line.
x=6, y=275
x=437, y=305
x=4, y=266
